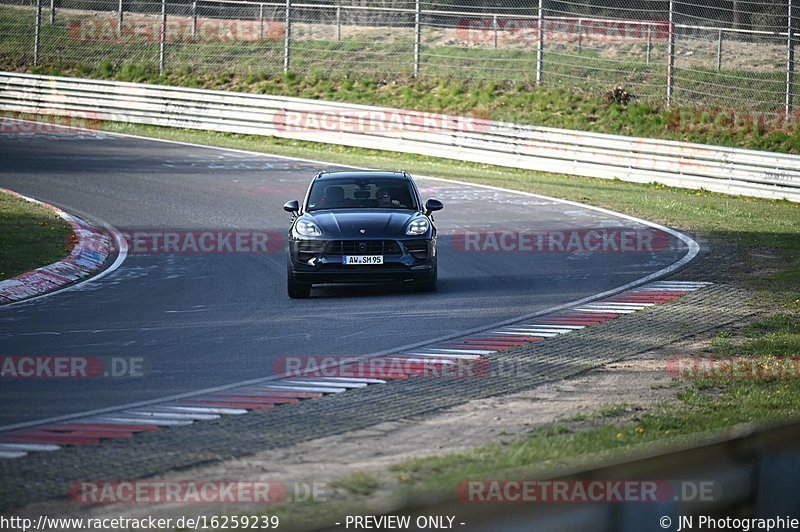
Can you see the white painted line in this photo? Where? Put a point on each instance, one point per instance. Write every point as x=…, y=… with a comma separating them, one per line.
x=536, y=329
x=466, y=351
x=605, y=311
x=621, y=304
x=525, y=334
x=323, y=383
x=209, y=410
x=547, y=326
x=173, y=415
x=366, y=380
x=444, y=355
x=12, y=454
x=407, y=360
x=29, y=447
x=293, y=388
x=120, y=420
x=613, y=307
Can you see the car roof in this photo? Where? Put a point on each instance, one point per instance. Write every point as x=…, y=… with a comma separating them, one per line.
x=362, y=174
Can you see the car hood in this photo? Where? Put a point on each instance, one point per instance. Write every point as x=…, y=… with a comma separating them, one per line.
x=375, y=223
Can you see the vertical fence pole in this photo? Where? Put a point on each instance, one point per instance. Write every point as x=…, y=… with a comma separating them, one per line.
x=37, y=33
x=260, y=21
x=194, y=20
x=671, y=54
x=52, y=12
x=494, y=27
x=338, y=23
x=580, y=36
x=790, y=44
x=162, y=48
x=120, y=10
x=539, y=43
x=417, y=37
x=649, y=42
x=287, y=39
x=719, y=50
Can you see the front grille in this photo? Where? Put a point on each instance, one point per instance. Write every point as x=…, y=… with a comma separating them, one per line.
x=417, y=248
x=363, y=247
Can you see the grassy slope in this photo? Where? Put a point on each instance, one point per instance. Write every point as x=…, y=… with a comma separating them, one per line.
x=30, y=236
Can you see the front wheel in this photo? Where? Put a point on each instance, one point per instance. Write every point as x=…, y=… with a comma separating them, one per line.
x=297, y=290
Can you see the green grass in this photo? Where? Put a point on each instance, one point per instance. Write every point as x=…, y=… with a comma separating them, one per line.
x=475, y=81
x=357, y=484
x=30, y=236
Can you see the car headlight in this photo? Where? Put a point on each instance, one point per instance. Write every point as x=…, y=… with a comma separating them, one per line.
x=418, y=227
x=306, y=228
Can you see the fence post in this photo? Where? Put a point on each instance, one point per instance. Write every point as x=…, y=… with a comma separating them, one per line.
x=719, y=50
x=580, y=36
x=260, y=21
x=162, y=48
x=338, y=23
x=649, y=42
x=790, y=44
x=194, y=19
x=494, y=27
x=287, y=38
x=417, y=37
x=37, y=35
x=671, y=54
x=120, y=9
x=52, y=12
x=539, y=44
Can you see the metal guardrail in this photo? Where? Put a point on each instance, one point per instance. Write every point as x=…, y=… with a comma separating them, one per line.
x=680, y=164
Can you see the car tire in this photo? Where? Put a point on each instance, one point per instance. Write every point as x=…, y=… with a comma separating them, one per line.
x=430, y=284
x=297, y=290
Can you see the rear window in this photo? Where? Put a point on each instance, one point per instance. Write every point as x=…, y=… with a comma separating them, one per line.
x=361, y=193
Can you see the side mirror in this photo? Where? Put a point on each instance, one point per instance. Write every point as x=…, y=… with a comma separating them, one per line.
x=291, y=206
x=433, y=205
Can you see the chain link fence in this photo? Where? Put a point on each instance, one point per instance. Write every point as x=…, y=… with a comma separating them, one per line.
x=730, y=54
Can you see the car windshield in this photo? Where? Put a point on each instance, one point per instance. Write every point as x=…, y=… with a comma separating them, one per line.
x=361, y=193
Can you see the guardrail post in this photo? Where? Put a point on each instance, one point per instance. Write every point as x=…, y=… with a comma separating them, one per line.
x=287, y=39
x=120, y=10
x=52, y=12
x=649, y=42
x=494, y=27
x=338, y=23
x=194, y=19
x=719, y=50
x=37, y=35
x=790, y=44
x=417, y=37
x=260, y=21
x=162, y=48
x=671, y=54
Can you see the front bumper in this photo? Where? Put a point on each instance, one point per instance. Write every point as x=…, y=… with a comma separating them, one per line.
x=320, y=261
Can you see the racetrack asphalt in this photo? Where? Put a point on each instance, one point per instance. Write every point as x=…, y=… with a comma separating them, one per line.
x=204, y=320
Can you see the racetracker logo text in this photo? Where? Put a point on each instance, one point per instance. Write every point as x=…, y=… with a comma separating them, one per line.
x=156, y=241
x=177, y=492
x=375, y=121
x=562, y=241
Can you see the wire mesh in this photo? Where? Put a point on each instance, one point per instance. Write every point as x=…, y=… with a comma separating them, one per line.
x=717, y=53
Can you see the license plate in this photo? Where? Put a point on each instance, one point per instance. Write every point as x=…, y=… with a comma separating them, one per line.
x=348, y=260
